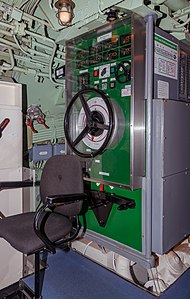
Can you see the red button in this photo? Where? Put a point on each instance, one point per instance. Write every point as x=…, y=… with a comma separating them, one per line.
x=96, y=73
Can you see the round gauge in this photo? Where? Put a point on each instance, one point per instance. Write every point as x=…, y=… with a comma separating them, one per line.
x=97, y=123
x=99, y=112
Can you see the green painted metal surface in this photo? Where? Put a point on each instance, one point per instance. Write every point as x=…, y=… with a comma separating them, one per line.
x=88, y=54
x=122, y=226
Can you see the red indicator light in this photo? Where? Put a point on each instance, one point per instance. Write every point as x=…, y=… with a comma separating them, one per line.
x=96, y=73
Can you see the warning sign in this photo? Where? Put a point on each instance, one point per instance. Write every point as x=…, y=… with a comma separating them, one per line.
x=166, y=57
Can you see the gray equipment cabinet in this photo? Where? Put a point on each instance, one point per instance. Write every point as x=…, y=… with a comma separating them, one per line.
x=171, y=173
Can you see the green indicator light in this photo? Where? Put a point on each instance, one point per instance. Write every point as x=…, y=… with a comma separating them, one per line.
x=112, y=70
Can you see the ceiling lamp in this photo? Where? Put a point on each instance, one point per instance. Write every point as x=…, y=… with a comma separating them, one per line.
x=65, y=11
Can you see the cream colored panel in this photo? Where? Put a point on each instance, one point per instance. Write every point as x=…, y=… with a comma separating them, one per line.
x=11, y=264
x=11, y=200
x=11, y=140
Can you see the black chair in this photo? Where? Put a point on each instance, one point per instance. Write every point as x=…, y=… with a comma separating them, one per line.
x=56, y=221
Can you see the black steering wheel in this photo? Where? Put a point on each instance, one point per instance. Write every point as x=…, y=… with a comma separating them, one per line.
x=94, y=122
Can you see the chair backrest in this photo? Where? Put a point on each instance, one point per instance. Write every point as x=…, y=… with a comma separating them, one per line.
x=62, y=174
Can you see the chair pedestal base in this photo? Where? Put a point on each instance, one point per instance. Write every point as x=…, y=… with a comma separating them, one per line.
x=25, y=290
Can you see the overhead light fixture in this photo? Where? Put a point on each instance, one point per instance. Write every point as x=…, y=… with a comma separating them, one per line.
x=112, y=15
x=65, y=11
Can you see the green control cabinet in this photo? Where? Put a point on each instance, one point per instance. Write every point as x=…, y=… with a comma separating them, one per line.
x=111, y=61
x=128, y=109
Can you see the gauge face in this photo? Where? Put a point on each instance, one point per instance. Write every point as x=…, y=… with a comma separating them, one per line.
x=96, y=137
x=92, y=124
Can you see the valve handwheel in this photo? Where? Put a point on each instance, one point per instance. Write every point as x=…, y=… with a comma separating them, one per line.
x=96, y=120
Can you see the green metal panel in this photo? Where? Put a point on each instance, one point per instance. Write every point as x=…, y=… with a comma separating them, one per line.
x=86, y=55
x=122, y=226
x=84, y=63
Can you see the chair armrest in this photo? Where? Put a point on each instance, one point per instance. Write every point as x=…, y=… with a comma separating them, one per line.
x=15, y=184
x=65, y=198
x=40, y=219
x=41, y=216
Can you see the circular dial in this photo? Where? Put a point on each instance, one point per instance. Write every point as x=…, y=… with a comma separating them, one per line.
x=94, y=124
x=99, y=113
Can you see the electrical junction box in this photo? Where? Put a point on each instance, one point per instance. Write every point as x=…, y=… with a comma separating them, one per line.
x=171, y=173
x=171, y=67
x=40, y=152
x=58, y=149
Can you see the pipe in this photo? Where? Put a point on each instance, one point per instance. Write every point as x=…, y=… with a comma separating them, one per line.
x=8, y=67
x=171, y=4
x=25, y=71
x=51, y=65
x=6, y=25
x=20, y=6
x=34, y=35
x=158, y=2
x=5, y=32
x=11, y=60
x=24, y=58
x=175, y=5
x=7, y=42
x=44, y=38
x=53, y=81
x=10, y=44
x=30, y=71
x=45, y=47
x=99, y=7
x=30, y=52
x=33, y=52
x=182, y=25
x=19, y=69
x=149, y=19
x=19, y=46
x=28, y=18
x=6, y=46
x=43, y=10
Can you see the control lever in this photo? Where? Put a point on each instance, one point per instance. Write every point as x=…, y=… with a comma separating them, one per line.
x=125, y=206
x=102, y=198
x=97, y=199
x=101, y=203
x=122, y=202
x=3, y=125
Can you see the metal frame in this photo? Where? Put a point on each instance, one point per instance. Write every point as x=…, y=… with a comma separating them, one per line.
x=142, y=93
x=121, y=249
x=145, y=257
x=137, y=121
x=149, y=85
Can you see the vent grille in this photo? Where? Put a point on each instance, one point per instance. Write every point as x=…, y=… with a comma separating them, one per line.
x=182, y=76
x=188, y=77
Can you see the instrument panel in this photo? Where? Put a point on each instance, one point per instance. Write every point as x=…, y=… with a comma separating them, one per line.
x=104, y=60
x=110, y=60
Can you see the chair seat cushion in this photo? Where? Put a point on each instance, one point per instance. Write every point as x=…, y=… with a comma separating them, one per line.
x=19, y=232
